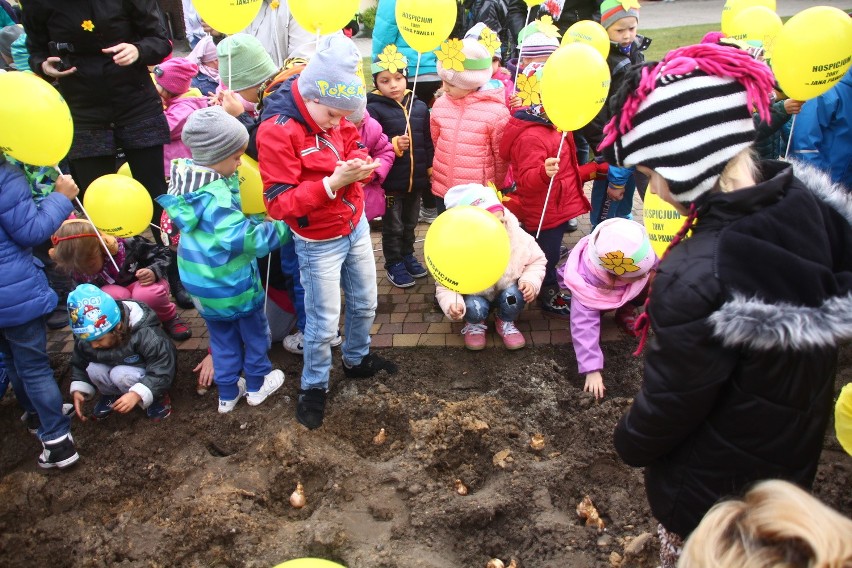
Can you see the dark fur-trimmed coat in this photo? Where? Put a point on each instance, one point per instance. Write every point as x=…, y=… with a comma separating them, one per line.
x=747, y=315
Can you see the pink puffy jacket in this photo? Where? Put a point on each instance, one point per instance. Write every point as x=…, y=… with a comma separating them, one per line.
x=466, y=134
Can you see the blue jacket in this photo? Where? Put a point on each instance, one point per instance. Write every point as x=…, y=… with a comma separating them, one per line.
x=822, y=132
x=24, y=292
x=387, y=32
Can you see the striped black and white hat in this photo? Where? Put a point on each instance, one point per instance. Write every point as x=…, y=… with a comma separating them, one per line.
x=688, y=116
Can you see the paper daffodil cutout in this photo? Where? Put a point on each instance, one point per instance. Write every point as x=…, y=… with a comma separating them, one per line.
x=450, y=55
x=88, y=25
x=529, y=89
x=390, y=59
x=490, y=40
x=627, y=4
x=616, y=262
x=548, y=28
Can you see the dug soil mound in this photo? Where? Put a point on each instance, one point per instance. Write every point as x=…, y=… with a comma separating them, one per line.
x=203, y=489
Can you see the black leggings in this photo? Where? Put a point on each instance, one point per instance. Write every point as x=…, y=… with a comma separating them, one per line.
x=147, y=167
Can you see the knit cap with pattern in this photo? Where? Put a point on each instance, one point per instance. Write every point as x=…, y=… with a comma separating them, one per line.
x=614, y=10
x=175, y=75
x=333, y=76
x=465, y=64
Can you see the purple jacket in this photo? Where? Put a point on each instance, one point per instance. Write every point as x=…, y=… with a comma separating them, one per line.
x=177, y=113
x=380, y=148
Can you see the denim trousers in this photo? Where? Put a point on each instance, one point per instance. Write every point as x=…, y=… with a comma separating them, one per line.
x=290, y=267
x=325, y=267
x=236, y=346
x=398, y=225
x=24, y=348
x=508, y=305
x=604, y=208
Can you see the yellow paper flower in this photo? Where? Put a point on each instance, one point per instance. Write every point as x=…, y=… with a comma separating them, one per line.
x=490, y=40
x=529, y=89
x=547, y=27
x=451, y=56
x=616, y=262
x=627, y=4
x=88, y=25
x=274, y=4
x=390, y=59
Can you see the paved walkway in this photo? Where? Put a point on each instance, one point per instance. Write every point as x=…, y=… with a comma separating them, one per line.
x=408, y=317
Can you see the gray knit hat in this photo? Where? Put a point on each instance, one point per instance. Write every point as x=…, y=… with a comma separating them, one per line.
x=334, y=74
x=244, y=62
x=8, y=35
x=212, y=135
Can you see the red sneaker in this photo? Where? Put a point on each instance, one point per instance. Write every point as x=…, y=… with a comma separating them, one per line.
x=177, y=329
x=474, y=336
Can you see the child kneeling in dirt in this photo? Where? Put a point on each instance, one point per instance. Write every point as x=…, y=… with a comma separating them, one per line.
x=607, y=270
x=121, y=351
x=518, y=286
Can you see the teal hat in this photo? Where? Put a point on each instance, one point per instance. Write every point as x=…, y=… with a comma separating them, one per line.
x=20, y=55
x=92, y=312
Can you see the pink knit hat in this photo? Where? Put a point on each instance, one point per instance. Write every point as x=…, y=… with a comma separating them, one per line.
x=465, y=63
x=621, y=247
x=175, y=75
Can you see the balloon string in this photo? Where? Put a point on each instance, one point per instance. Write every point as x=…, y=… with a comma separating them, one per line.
x=413, y=86
x=790, y=138
x=521, y=48
x=230, y=67
x=549, y=186
x=266, y=288
x=98, y=234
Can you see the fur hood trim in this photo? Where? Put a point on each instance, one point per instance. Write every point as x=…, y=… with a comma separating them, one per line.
x=754, y=324
x=833, y=194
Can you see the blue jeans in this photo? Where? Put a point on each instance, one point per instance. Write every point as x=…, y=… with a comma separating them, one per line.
x=290, y=267
x=24, y=348
x=239, y=345
x=325, y=267
x=509, y=304
x=604, y=208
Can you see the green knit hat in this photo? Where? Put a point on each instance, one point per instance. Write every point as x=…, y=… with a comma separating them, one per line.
x=614, y=10
x=244, y=62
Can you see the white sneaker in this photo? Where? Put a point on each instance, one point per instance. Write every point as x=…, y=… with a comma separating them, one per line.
x=337, y=340
x=295, y=343
x=225, y=406
x=271, y=383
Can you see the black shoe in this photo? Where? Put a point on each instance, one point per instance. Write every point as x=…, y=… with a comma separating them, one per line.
x=103, y=407
x=58, y=453
x=369, y=366
x=31, y=421
x=57, y=319
x=310, y=409
x=182, y=298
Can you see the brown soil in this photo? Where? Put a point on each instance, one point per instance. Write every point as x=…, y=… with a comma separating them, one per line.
x=201, y=489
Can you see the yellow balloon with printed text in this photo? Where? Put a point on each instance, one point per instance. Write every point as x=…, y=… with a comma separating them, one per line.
x=424, y=24
x=662, y=222
x=757, y=23
x=589, y=32
x=35, y=122
x=251, y=186
x=324, y=17
x=812, y=52
x=309, y=562
x=124, y=170
x=571, y=99
x=734, y=7
x=843, y=418
x=466, y=249
x=228, y=16
x=119, y=205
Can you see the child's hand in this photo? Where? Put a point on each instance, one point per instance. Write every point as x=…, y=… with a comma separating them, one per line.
x=551, y=166
x=65, y=185
x=146, y=276
x=528, y=290
x=403, y=142
x=792, y=106
x=126, y=402
x=205, y=371
x=123, y=54
x=351, y=171
x=231, y=104
x=455, y=311
x=78, y=399
x=594, y=384
x=615, y=193
x=515, y=102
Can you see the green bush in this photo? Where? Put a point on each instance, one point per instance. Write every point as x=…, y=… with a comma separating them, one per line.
x=368, y=18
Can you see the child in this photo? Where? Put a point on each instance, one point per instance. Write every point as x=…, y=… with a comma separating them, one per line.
x=487, y=37
x=173, y=79
x=312, y=161
x=380, y=148
x=536, y=42
x=26, y=298
x=613, y=196
x=141, y=275
x=467, y=122
x=121, y=352
x=217, y=255
x=530, y=144
x=205, y=57
x=518, y=286
x=405, y=120
x=606, y=270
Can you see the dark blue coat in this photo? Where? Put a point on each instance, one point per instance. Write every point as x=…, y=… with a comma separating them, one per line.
x=24, y=292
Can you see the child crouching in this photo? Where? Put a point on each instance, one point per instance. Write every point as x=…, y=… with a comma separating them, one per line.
x=121, y=352
x=518, y=286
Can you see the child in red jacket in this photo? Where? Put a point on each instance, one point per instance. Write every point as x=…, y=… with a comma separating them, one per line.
x=312, y=163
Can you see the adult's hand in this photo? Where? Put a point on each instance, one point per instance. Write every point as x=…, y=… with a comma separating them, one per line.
x=50, y=67
x=123, y=54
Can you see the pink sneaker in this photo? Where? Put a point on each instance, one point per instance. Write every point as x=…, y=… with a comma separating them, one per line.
x=474, y=336
x=512, y=338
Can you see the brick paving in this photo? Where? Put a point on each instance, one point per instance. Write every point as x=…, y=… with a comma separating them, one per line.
x=408, y=317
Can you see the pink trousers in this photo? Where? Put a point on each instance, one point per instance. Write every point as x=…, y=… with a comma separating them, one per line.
x=156, y=296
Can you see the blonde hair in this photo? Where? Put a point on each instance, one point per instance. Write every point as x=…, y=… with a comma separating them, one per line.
x=74, y=242
x=741, y=171
x=776, y=525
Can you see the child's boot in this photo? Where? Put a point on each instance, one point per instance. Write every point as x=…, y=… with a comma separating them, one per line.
x=474, y=336
x=59, y=453
x=625, y=319
x=177, y=329
x=555, y=303
x=512, y=338
x=160, y=409
x=310, y=408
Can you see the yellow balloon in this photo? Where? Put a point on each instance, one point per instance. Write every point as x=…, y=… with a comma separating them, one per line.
x=424, y=24
x=733, y=7
x=812, y=52
x=466, y=249
x=532, y=3
x=589, y=32
x=251, y=186
x=323, y=17
x=36, y=124
x=757, y=23
x=843, y=418
x=228, y=16
x=124, y=170
x=571, y=99
x=119, y=205
x=309, y=563
x=662, y=221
